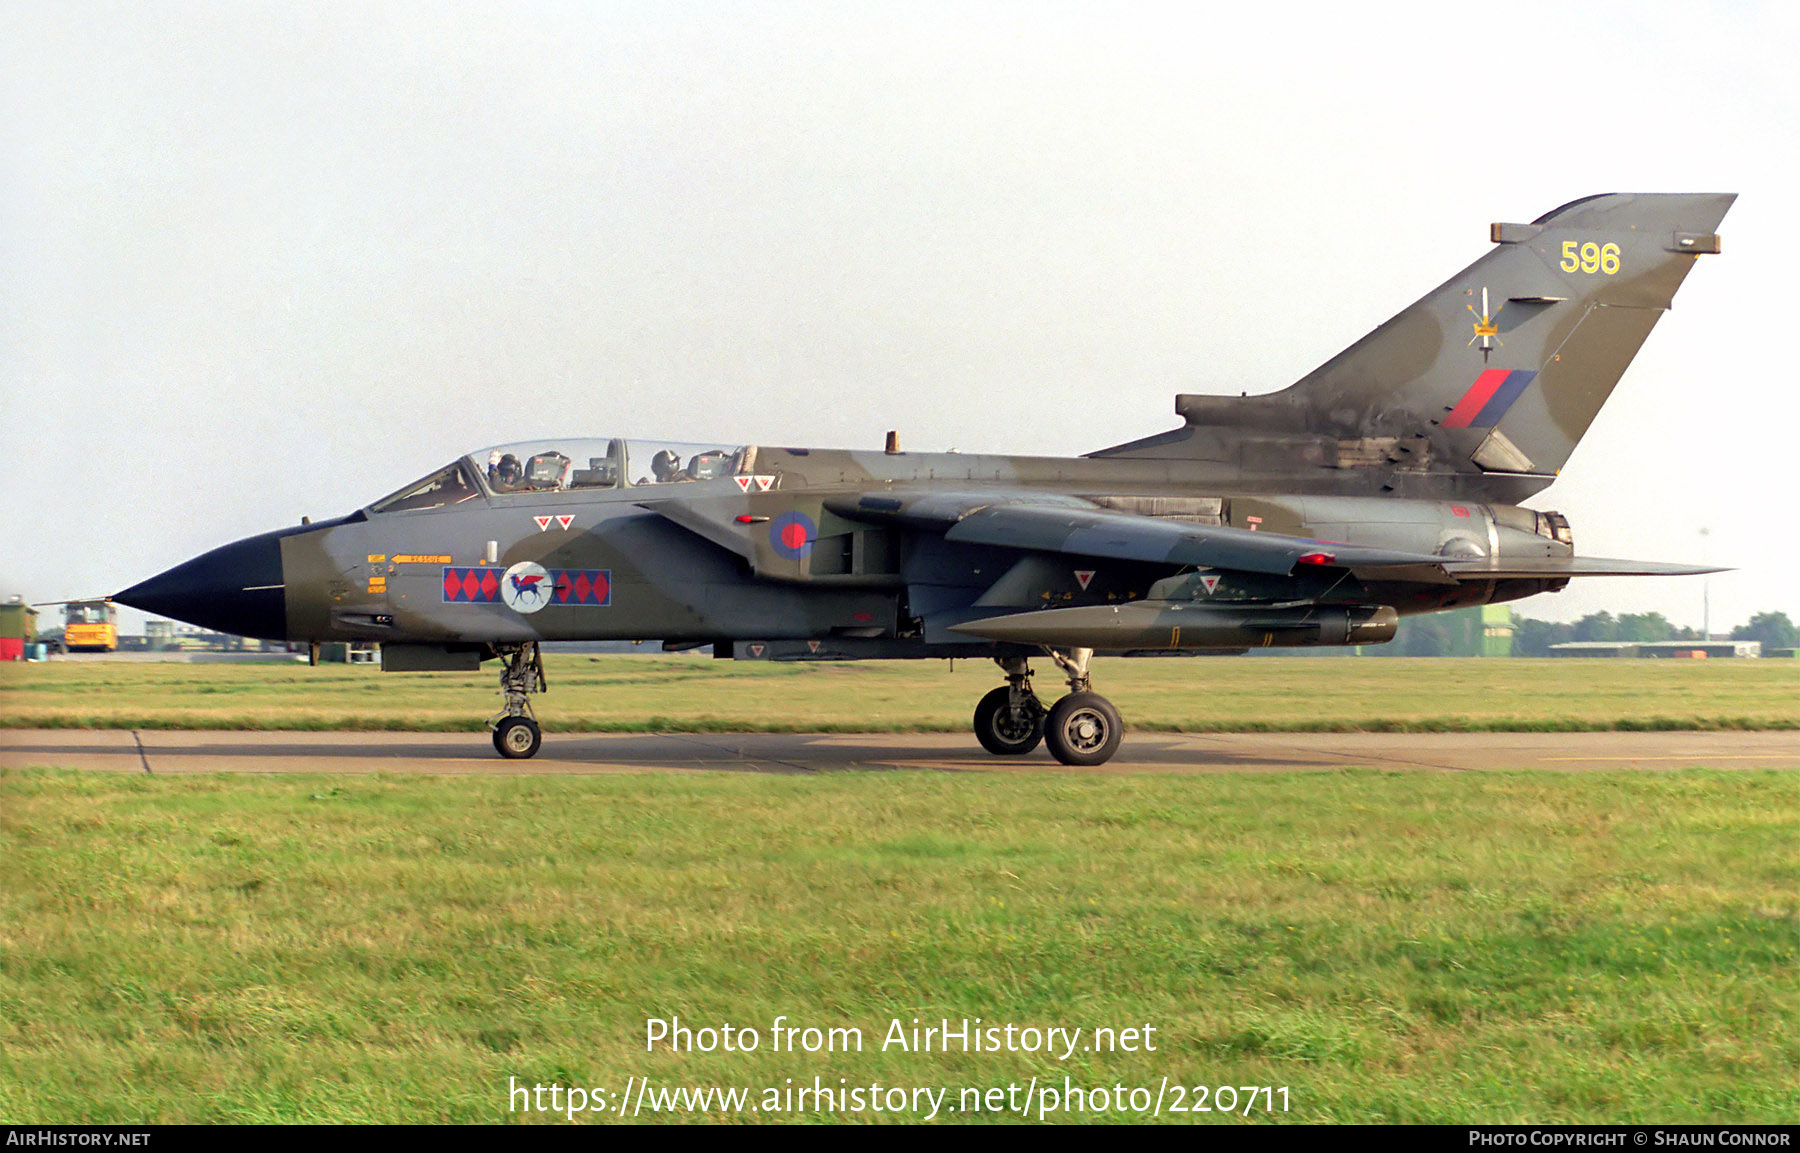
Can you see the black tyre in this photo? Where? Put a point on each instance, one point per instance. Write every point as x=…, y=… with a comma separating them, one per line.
x=1083, y=729
x=1004, y=731
x=516, y=738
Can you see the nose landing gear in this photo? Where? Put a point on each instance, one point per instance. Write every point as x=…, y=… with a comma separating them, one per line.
x=516, y=732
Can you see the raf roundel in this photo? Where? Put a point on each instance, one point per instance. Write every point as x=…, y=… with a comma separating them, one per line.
x=526, y=587
x=793, y=534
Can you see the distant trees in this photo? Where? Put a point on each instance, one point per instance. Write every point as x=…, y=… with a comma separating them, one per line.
x=1533, y=638
x=1645, y=627
x=1461, y=633
x=1427, y=636
x=1598, y=626
x=1774, y=630
x=1451, y=634
x=1631, y=628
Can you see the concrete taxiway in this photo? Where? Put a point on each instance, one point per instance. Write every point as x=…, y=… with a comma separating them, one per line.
x=454, y=753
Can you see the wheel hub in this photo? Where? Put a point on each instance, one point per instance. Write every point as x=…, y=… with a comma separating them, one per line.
x=1013, y=724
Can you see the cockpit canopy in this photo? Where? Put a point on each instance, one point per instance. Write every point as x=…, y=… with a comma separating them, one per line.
x=550, y=467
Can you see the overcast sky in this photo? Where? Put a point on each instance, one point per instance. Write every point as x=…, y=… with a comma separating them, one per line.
x=265, y=261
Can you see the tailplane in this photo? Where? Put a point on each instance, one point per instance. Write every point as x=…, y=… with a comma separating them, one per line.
x=1485, y=385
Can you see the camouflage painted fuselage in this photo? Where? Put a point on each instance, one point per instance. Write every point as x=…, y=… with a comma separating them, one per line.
x=707, y=562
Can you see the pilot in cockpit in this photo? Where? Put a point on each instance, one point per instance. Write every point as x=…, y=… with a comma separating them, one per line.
x=665, y=466
x=504, y=471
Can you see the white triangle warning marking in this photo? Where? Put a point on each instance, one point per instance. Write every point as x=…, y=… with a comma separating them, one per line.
x=1210, y=582
x=812, y=646
x=543, y=522
x=565, y=521
x=1084, y=576
x=764, y=483
x=756, y=650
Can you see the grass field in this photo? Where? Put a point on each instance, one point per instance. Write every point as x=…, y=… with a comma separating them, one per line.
x=1500, y=947
x=631, y=693
x=1405, y=948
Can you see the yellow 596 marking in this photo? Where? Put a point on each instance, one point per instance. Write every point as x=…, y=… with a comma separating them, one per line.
x=1590, y=257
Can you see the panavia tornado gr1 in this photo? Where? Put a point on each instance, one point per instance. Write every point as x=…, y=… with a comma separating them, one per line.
x=1387, y=482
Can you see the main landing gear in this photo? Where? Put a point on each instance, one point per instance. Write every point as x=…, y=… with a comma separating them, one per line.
x=516, y=732
x=1009, y=722
x=1082, y=728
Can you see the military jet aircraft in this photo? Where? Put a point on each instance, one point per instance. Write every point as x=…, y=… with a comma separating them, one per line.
x=1386, y=482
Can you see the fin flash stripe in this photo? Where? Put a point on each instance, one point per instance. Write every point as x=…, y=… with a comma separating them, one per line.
x=1487, y=400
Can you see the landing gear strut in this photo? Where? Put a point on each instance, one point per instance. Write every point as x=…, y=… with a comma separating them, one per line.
x=516, y=732
x=1082, y=728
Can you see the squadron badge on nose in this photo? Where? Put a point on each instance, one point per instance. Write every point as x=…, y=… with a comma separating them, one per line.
x=526, y=587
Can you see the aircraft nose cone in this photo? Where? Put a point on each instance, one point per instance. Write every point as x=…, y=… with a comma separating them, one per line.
x=235, y=589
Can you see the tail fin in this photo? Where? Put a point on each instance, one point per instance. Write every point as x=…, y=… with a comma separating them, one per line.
x=1486, y=384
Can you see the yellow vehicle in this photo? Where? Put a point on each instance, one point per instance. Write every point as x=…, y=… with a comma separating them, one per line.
x=90, y=627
